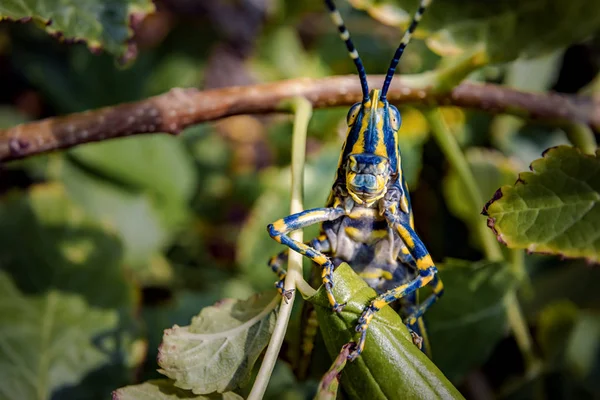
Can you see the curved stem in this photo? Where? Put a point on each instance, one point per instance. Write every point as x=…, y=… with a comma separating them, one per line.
x=455, y=156
x=492, y=249
x=302, y=109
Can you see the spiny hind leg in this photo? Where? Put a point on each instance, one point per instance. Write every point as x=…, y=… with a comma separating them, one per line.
x=425, y=269
x=275, y=263
x=438, y=290
x=382, y=300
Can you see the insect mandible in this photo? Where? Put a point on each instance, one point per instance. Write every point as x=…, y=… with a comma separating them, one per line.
x=368, y=220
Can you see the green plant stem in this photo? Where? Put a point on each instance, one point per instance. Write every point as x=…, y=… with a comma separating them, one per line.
x=302, y=109
x=582, y=137
x=492, y=249
x=455, y=156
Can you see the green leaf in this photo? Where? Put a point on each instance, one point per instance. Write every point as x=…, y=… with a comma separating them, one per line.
x=10, y=117
x=141, y=163
x=283, y=57
x=583, y=349
x=411, y=138
x=570, y=340
x=178, y=310
x=99, y=24
x=553, y=209
x=48, y=341
x=469, y=319
x=218, y=350
x=164, y=389
x=555, y=323
x=47, y=241
x=507, y=29
x=490, y=170
x=133, y=216
x=391, y=366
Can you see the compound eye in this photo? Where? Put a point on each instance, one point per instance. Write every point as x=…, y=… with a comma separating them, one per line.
x=395, y=119
x=352, y=164
x=353, y=113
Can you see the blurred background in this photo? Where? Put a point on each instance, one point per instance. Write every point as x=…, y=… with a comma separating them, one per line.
x=126, y=238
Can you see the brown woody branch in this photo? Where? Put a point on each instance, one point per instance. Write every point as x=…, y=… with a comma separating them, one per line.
x=173, y=111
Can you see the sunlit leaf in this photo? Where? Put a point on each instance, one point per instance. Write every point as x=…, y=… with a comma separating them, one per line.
x=283, y=57
x=46, y=241
x=470, y=318
x=159, y=164
x=49, y=341
x=164, y=389
x=101, y=25
x=553, y=209
x=178, y=310
x=133, y=216
x=507, y=29
x=391, y=366
x=217, y=351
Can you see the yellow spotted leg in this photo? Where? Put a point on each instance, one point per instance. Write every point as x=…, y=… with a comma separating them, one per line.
x=426, y=274
x=279, y=231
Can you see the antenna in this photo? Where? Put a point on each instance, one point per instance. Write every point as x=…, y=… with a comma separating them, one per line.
x=400, y=50
x=336, y=17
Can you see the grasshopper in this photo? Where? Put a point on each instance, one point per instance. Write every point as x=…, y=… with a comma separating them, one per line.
x=368, y=220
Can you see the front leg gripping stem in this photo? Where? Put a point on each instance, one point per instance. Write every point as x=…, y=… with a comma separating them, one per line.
x=280, y=229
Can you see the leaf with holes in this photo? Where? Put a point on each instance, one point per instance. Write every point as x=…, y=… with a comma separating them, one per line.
x=391, y=366
x=164, y=389
x=49, y=341
x=554, y=209
x=506, y=29
x=100, y=24
x=217, y=351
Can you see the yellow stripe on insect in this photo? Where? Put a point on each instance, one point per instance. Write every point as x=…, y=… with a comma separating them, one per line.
x=376, y=274
x=280, y=225
x=379, y=304
x=345, y=35
x=439, y=286
x=320, y=259
x=354, y=54
x=405, y=235
x=425, y=262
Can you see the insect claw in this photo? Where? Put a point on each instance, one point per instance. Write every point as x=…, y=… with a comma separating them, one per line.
x=337, y=307
x=417, y=339
x=287, y=295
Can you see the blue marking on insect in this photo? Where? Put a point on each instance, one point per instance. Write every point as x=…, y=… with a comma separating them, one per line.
x=368, y=220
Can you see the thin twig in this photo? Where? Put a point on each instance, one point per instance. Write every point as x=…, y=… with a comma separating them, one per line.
x=303, y=112
x=173, y=111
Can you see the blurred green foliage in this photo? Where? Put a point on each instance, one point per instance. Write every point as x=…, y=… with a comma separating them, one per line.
x=106, y=245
